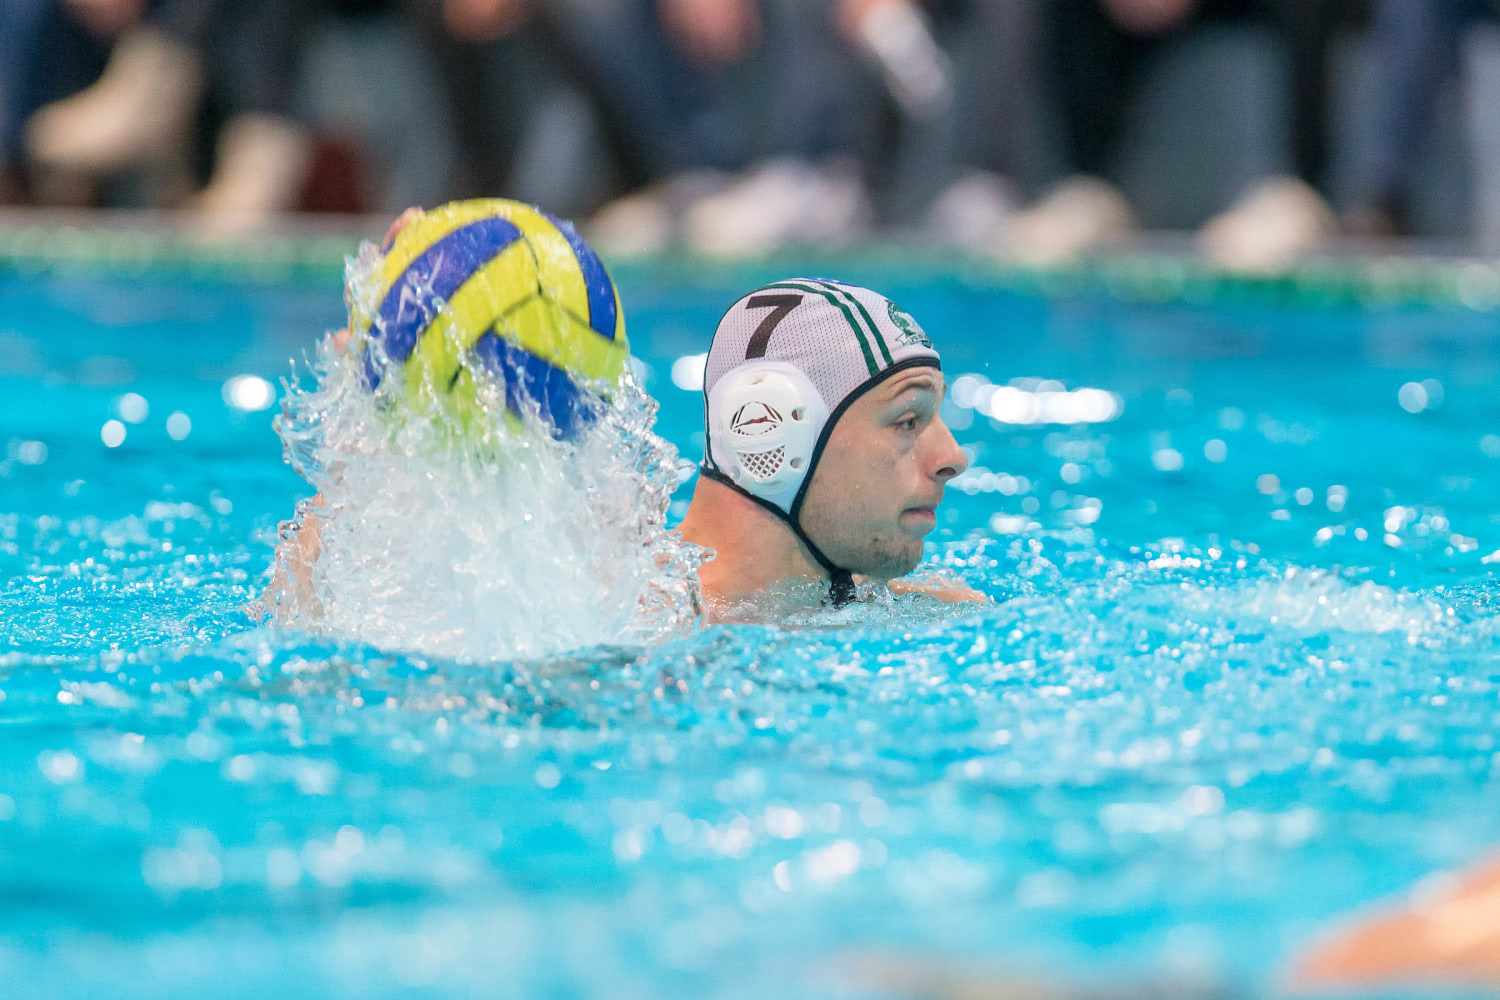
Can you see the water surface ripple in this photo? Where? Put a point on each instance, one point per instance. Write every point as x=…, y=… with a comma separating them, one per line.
x=1238, y=676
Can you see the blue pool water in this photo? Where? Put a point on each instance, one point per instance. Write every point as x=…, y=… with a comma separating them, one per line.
x=1238, y=677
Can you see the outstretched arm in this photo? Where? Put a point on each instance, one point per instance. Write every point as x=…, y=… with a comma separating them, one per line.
x=944, y=588
x=1448, y=933
x=290, y=594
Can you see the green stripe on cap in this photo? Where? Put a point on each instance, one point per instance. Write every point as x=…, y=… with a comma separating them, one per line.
x=859, y=334
x=877, y=336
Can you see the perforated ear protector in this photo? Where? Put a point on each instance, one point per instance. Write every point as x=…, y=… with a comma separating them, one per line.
x=765, y=419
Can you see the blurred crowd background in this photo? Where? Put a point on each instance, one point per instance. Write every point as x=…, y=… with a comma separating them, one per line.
x=1035, y=130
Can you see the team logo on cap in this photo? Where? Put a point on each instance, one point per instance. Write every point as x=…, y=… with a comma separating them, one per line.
x=911, y=333
x=755, y=418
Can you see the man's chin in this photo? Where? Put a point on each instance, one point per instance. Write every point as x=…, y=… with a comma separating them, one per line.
x=890, y=564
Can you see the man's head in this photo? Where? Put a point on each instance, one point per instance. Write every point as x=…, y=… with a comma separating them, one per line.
x=822, y=405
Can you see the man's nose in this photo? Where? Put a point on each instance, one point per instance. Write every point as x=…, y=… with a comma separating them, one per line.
x=949, y=458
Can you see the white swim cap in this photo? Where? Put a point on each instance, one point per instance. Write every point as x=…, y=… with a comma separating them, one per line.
x=786, y=361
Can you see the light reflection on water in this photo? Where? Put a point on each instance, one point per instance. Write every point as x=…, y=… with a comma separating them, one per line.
x=1216, y=700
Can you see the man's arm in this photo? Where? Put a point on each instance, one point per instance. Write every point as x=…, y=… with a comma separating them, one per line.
x=1445, y=933
x=941, y=586
x=290, y=594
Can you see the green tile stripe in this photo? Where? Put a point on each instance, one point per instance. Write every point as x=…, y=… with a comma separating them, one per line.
x=40, y=250
x=36, y=245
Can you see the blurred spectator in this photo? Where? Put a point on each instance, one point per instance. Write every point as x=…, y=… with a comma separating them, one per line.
x=503, y=65
x=1098, y=49
x=972, y=166
x=74, y=57
x=1416, y=46
x=476, y=49
x=790, y=95
x=732, y=126
x=139, y=115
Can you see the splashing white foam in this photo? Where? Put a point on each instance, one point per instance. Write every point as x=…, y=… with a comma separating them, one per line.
x=1321, y=601
x=487, y=542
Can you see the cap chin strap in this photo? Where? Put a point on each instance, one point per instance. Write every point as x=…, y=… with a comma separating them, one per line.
x=840, y=580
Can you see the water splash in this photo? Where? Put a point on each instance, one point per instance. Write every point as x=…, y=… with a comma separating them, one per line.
x=472, y=531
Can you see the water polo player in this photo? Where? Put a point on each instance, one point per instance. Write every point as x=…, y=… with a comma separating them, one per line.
x=825, y=451
x=827, y=456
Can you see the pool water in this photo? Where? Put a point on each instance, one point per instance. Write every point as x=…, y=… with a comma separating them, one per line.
x=1238, y=677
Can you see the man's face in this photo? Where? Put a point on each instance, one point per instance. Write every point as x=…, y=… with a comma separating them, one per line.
x=874, y=494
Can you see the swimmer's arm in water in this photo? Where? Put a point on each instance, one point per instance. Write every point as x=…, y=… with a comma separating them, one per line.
x=290, y=592
x=944, y=588
x=1447, y=931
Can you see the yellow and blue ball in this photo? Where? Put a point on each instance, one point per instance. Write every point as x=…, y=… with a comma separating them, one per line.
x=501, y=287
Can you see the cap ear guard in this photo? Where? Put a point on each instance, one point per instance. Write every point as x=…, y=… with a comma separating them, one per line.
x=764, y=421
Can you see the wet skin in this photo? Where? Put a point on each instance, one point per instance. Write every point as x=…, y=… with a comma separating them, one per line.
x=874, y=496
